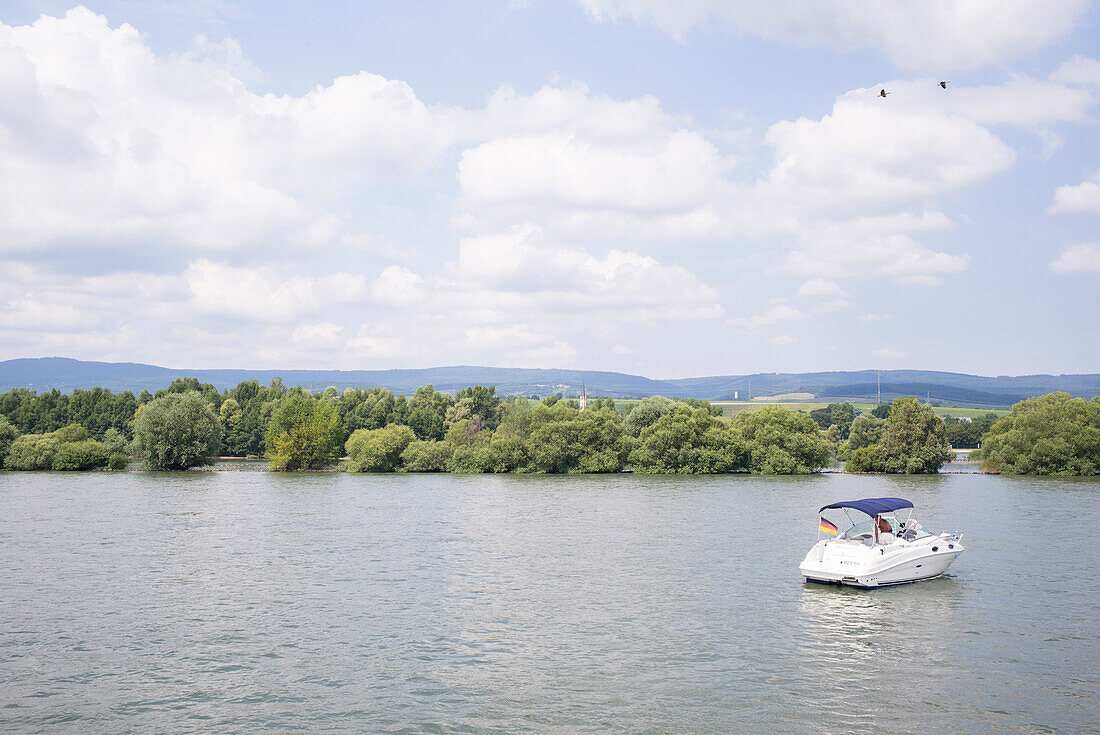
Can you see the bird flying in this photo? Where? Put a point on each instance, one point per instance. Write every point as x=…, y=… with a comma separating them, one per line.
x=883, y=93
x=944, y=84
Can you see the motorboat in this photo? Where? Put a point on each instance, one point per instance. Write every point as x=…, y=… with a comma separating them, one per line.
x=888, y=548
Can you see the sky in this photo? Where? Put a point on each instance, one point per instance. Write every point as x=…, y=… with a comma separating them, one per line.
x=670, y=188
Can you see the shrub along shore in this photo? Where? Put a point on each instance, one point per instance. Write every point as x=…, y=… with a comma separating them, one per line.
x=476, y=431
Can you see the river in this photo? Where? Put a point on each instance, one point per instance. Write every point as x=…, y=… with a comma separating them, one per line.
x=329, y=603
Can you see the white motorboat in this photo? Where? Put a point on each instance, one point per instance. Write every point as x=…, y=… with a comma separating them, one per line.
x=881, y=551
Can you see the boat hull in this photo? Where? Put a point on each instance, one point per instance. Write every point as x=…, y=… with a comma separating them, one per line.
x=857, y=565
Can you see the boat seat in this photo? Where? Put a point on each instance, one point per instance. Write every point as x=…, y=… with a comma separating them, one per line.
x=885, y=538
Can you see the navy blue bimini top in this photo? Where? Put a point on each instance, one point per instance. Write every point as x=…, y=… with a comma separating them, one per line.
x=872, y=506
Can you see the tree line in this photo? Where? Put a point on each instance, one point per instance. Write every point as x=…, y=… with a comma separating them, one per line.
x=190, y=423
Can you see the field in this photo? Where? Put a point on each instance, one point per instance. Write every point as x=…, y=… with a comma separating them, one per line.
x=731, y=408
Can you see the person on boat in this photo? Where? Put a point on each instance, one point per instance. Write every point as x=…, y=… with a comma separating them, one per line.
x=883, y=530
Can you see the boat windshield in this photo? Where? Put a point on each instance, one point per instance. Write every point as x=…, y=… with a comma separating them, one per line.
x=911, y=531
x=860, y=531
x=866, y=531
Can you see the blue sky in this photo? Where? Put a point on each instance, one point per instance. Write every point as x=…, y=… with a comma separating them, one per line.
x=656, y=187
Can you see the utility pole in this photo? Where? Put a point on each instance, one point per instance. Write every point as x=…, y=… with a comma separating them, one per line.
x=879, y=388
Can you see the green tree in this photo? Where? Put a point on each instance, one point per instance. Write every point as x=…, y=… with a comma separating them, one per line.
x=466, y=433
x=647, y=412
x=85, y=454
x=187, y=385
x=866, y=430
x=571, y=441
x=426, y=456
x=840, y=415
x=377, y=450
x=476, y=402
x=177, y=431
x=304, y=433
x=427, y=413
x=915, y=441
x=866, y=459
x=882, y=411
x=117, y=448
x=689, y=441
x=968, y=433
x=71, y=433
x=32, y=452
x=236, y=438
x=1049, y=435
x=472, y=459
x=782, y=441
x=114, y=442
x=8, y=433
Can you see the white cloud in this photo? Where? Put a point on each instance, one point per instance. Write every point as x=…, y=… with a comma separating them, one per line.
x=778, y=313
x=110, y=151
x=325, y=333
x=1080, y=71
x=251, y=293
x=1084, y=258
x=526, y=262
x=176, y=151
x=624, y=350
x=782, y=339
x=819, y=287
x=873, y=318
x=914, y=34
x=880, y=245
x=1083, y=197
x=889, y=353
x=560, y=171
x=398, y=287
x=866, y=152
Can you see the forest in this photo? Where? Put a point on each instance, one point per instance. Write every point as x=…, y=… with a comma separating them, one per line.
x=475, y=430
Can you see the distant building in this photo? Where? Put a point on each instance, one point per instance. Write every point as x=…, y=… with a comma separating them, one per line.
x=584, y=398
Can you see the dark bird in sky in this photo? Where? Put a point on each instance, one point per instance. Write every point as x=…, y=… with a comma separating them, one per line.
x=883, y=93
x=944, y=84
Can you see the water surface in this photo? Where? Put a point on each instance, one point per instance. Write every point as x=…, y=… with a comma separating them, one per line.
x=257, y=602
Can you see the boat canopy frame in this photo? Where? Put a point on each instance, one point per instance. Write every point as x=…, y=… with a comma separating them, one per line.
x=873, y=507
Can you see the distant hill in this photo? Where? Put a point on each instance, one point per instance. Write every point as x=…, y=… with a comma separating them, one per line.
x=64, y=374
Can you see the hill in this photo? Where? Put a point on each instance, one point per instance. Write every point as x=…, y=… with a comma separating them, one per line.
x=65, y=374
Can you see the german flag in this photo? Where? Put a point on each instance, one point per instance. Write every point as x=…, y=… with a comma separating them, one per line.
x=827, y=527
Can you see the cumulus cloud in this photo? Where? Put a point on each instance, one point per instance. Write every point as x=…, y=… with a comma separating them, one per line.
x=829, y=162
x=251, y=293
x=817, y=287
x=325, y=333
x=753, y=324
x=524, y=263
x=1084, y=258
x=569, y=204
x=177, y=151
x=1080, y=71
x=914, y=34
x=889, y=353
x=1083, y=197
x=398, y=286
x=550, y=171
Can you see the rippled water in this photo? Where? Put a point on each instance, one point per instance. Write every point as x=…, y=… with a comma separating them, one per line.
x=255, y=602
